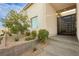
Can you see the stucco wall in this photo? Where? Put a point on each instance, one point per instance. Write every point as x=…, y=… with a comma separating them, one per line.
x=36, y=10
x=51, y=20
x=78, y=21
x=46, y=16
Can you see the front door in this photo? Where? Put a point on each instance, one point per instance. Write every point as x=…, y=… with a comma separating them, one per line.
x=67, y=25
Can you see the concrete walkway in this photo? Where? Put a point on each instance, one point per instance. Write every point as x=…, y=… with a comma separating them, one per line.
x=56, y=46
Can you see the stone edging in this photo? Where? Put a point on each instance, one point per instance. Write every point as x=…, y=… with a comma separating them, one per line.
x=18, y=49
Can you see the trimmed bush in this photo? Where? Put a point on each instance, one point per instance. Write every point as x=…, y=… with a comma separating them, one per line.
x=43, y=35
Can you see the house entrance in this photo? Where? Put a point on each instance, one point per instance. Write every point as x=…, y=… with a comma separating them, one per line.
x=67, y=25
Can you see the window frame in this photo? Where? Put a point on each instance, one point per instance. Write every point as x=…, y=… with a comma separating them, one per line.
x=32, y=20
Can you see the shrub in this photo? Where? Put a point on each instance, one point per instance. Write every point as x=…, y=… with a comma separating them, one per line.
x=28, y=33
x=34, y=34
x=34, y=49
x=9, y=34
x=2, y=35
x=28, y=38
x=43, y=35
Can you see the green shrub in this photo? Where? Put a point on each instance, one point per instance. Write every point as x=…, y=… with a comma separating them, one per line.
x=28, y=33
x=43, y=35
x=34, y=34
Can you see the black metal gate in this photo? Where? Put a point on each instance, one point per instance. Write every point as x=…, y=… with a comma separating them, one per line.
x=67, y=25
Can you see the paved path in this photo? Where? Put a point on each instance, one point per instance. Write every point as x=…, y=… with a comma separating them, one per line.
x=56, y=46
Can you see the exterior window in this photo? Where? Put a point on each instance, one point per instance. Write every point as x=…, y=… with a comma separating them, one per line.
x=34, y=22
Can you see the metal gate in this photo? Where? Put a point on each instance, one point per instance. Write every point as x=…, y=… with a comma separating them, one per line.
x=67, y=25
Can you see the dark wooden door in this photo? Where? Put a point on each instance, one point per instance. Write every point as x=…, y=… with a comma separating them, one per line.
x=67, y=25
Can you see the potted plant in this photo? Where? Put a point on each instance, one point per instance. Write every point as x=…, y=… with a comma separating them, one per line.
x=43, y=35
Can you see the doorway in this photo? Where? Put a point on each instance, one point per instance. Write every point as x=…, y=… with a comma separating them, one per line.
x=67, y=25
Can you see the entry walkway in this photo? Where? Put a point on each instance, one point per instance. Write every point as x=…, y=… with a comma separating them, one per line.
x=56, y=46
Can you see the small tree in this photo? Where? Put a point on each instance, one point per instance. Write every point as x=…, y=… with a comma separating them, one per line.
x=16, y=22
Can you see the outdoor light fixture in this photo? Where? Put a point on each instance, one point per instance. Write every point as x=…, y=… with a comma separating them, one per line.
x=72, y=11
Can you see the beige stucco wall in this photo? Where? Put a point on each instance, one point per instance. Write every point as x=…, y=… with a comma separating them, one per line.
x=51, y=20
x=78, y=21
x=36, y=10
x=46, y=16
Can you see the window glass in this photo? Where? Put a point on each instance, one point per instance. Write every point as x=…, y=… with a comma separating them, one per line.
x=35, y=22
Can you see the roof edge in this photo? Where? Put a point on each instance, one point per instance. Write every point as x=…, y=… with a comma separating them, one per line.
x=27, y=6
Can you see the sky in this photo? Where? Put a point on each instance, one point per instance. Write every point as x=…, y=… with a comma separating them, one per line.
x=6, y=7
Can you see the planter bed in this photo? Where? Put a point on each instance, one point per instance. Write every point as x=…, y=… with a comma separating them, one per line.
x=18, y=47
